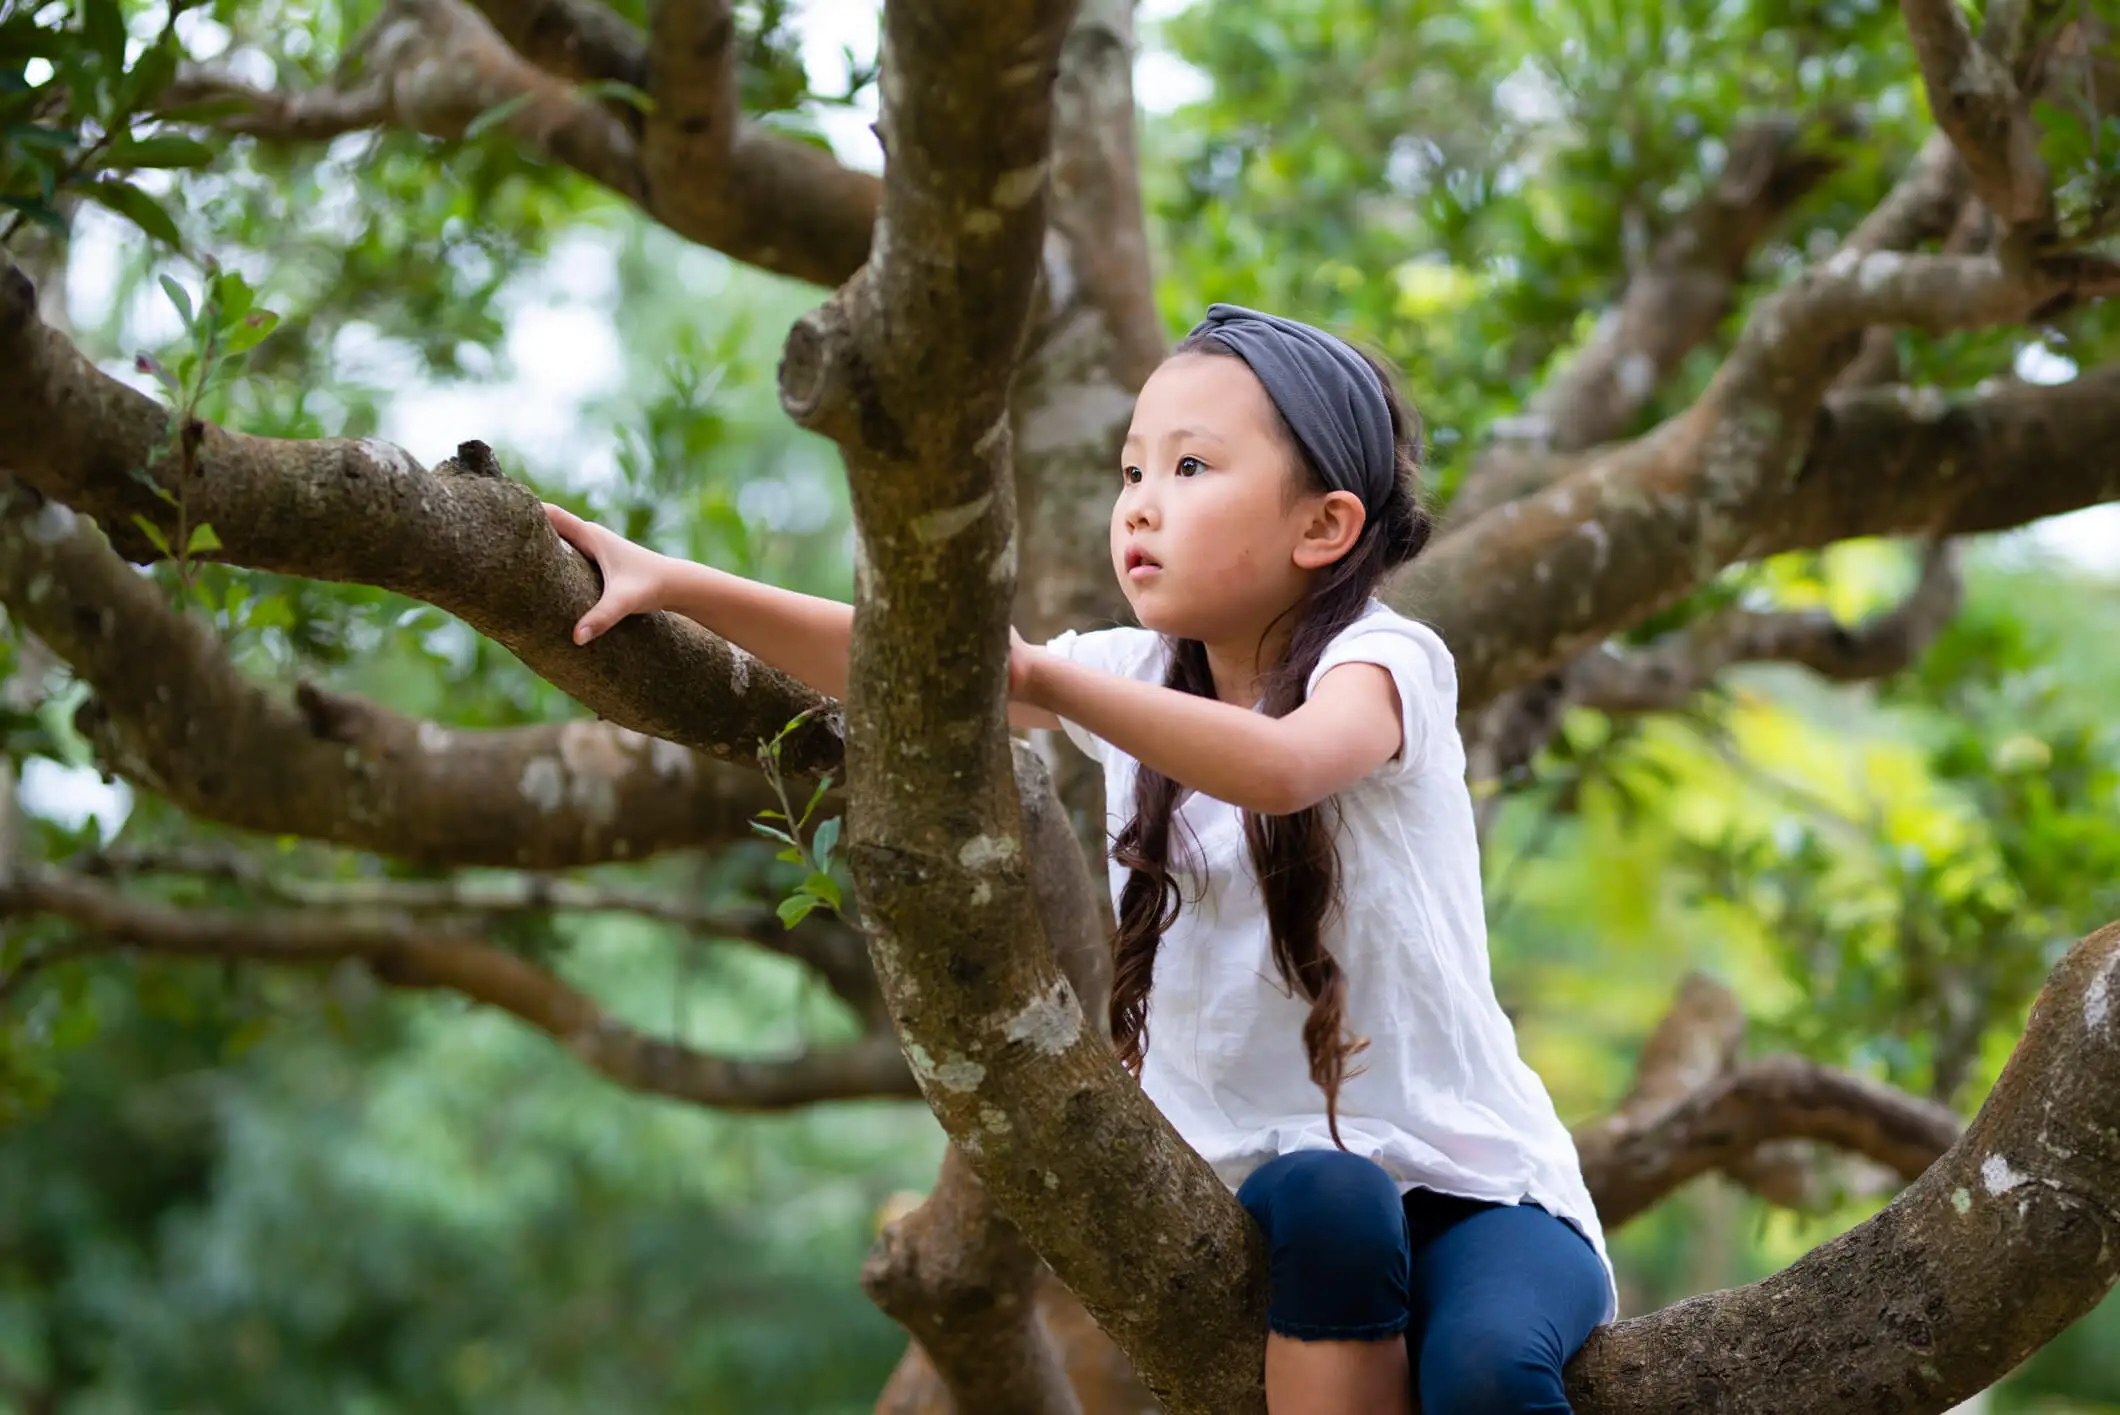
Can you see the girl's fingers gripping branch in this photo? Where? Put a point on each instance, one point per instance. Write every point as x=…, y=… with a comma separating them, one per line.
x=627, y=569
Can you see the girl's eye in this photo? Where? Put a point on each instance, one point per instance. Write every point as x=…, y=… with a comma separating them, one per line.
x=1188, y=466
x=1129, y=474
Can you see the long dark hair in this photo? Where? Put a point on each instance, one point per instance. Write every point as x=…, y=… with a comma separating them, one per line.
x=1293, y=856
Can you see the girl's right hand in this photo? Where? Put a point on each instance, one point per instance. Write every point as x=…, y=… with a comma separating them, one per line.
x=634, y=576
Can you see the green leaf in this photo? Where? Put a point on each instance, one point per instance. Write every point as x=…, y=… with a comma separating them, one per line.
x=271, y=612
x=203, y=541
x=103, y=26
x=794, y=722
x=795, y=908
x=21, y=38
x=791, y=855
x=245, y=1037
x=153, y=533
x=43, y=213
x=772, y=834
x=822, y=887
x=180, y=297
x=251, y=332
x=144, y=82
x=817, y=795
x=36, y=135
x=232, y=295
x=822, y=843
x=161, y=150
x=493, y=117
x=621, y=91
x=75, y=1026
x=135, y=206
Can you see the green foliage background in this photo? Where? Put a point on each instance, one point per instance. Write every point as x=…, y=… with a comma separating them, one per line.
x=235, y=1191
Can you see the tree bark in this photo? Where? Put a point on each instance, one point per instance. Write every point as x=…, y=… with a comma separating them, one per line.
x=173, y=714
x=908, y=369
x=1977, y=106
x=2006, y=1240
x=462, y=537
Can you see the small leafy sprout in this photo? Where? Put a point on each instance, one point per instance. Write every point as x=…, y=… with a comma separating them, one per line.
x=819, y=888
x=219, y=331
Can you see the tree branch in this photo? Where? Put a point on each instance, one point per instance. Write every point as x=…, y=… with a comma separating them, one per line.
x=1671, y=306
x=1893, y=461
x=1509, y=729
x=1922, y=203
x=908, y=367
x=2006, y=1239
x=1694, y=1108
x=1713, y=482
x=953, y=1270
x=173, y=714
x=1912, y=461
x=1976, y=103
x=463, y=537
x=1503, y=735
x=758, y=195
x=830, y=948
x=1696, y=1041
x=957, y=1274
x=691, y=130
x=1662, y=678
x=582, y=40
x=984, y=1312
x=1631, y=1164
x=402, y=954
x=433, y=66
x=12, y=845
x=1095, y=208
x=1096, y=336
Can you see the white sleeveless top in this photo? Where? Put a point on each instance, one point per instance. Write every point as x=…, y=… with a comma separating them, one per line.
x=1442, y=1100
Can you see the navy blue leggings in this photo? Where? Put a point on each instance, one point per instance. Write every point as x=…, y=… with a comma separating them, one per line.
x=1493, y=1298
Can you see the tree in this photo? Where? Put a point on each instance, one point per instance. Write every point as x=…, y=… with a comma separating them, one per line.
x=992, y=311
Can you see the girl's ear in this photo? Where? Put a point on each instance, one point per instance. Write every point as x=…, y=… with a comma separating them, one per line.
x=1331, y=525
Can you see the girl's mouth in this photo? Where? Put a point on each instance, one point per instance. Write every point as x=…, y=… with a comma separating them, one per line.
x=1140, y=565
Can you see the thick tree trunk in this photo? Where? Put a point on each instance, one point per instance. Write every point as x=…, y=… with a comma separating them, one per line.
x=1095, y=338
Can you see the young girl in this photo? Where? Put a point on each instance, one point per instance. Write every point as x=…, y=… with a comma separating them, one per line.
x=1272, y=721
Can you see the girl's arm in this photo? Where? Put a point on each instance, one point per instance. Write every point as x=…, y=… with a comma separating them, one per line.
x=799, y=634
x=1274, y=765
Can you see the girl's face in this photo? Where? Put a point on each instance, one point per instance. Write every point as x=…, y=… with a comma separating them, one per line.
x=1215, y=532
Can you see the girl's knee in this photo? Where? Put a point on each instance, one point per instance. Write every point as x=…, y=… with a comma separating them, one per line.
x=1323, y=1192
x=1336, y=1244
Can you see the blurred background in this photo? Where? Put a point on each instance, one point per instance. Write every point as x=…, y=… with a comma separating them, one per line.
x=239, y=1191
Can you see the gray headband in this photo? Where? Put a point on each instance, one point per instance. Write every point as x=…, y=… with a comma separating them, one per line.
x=1328, y=393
